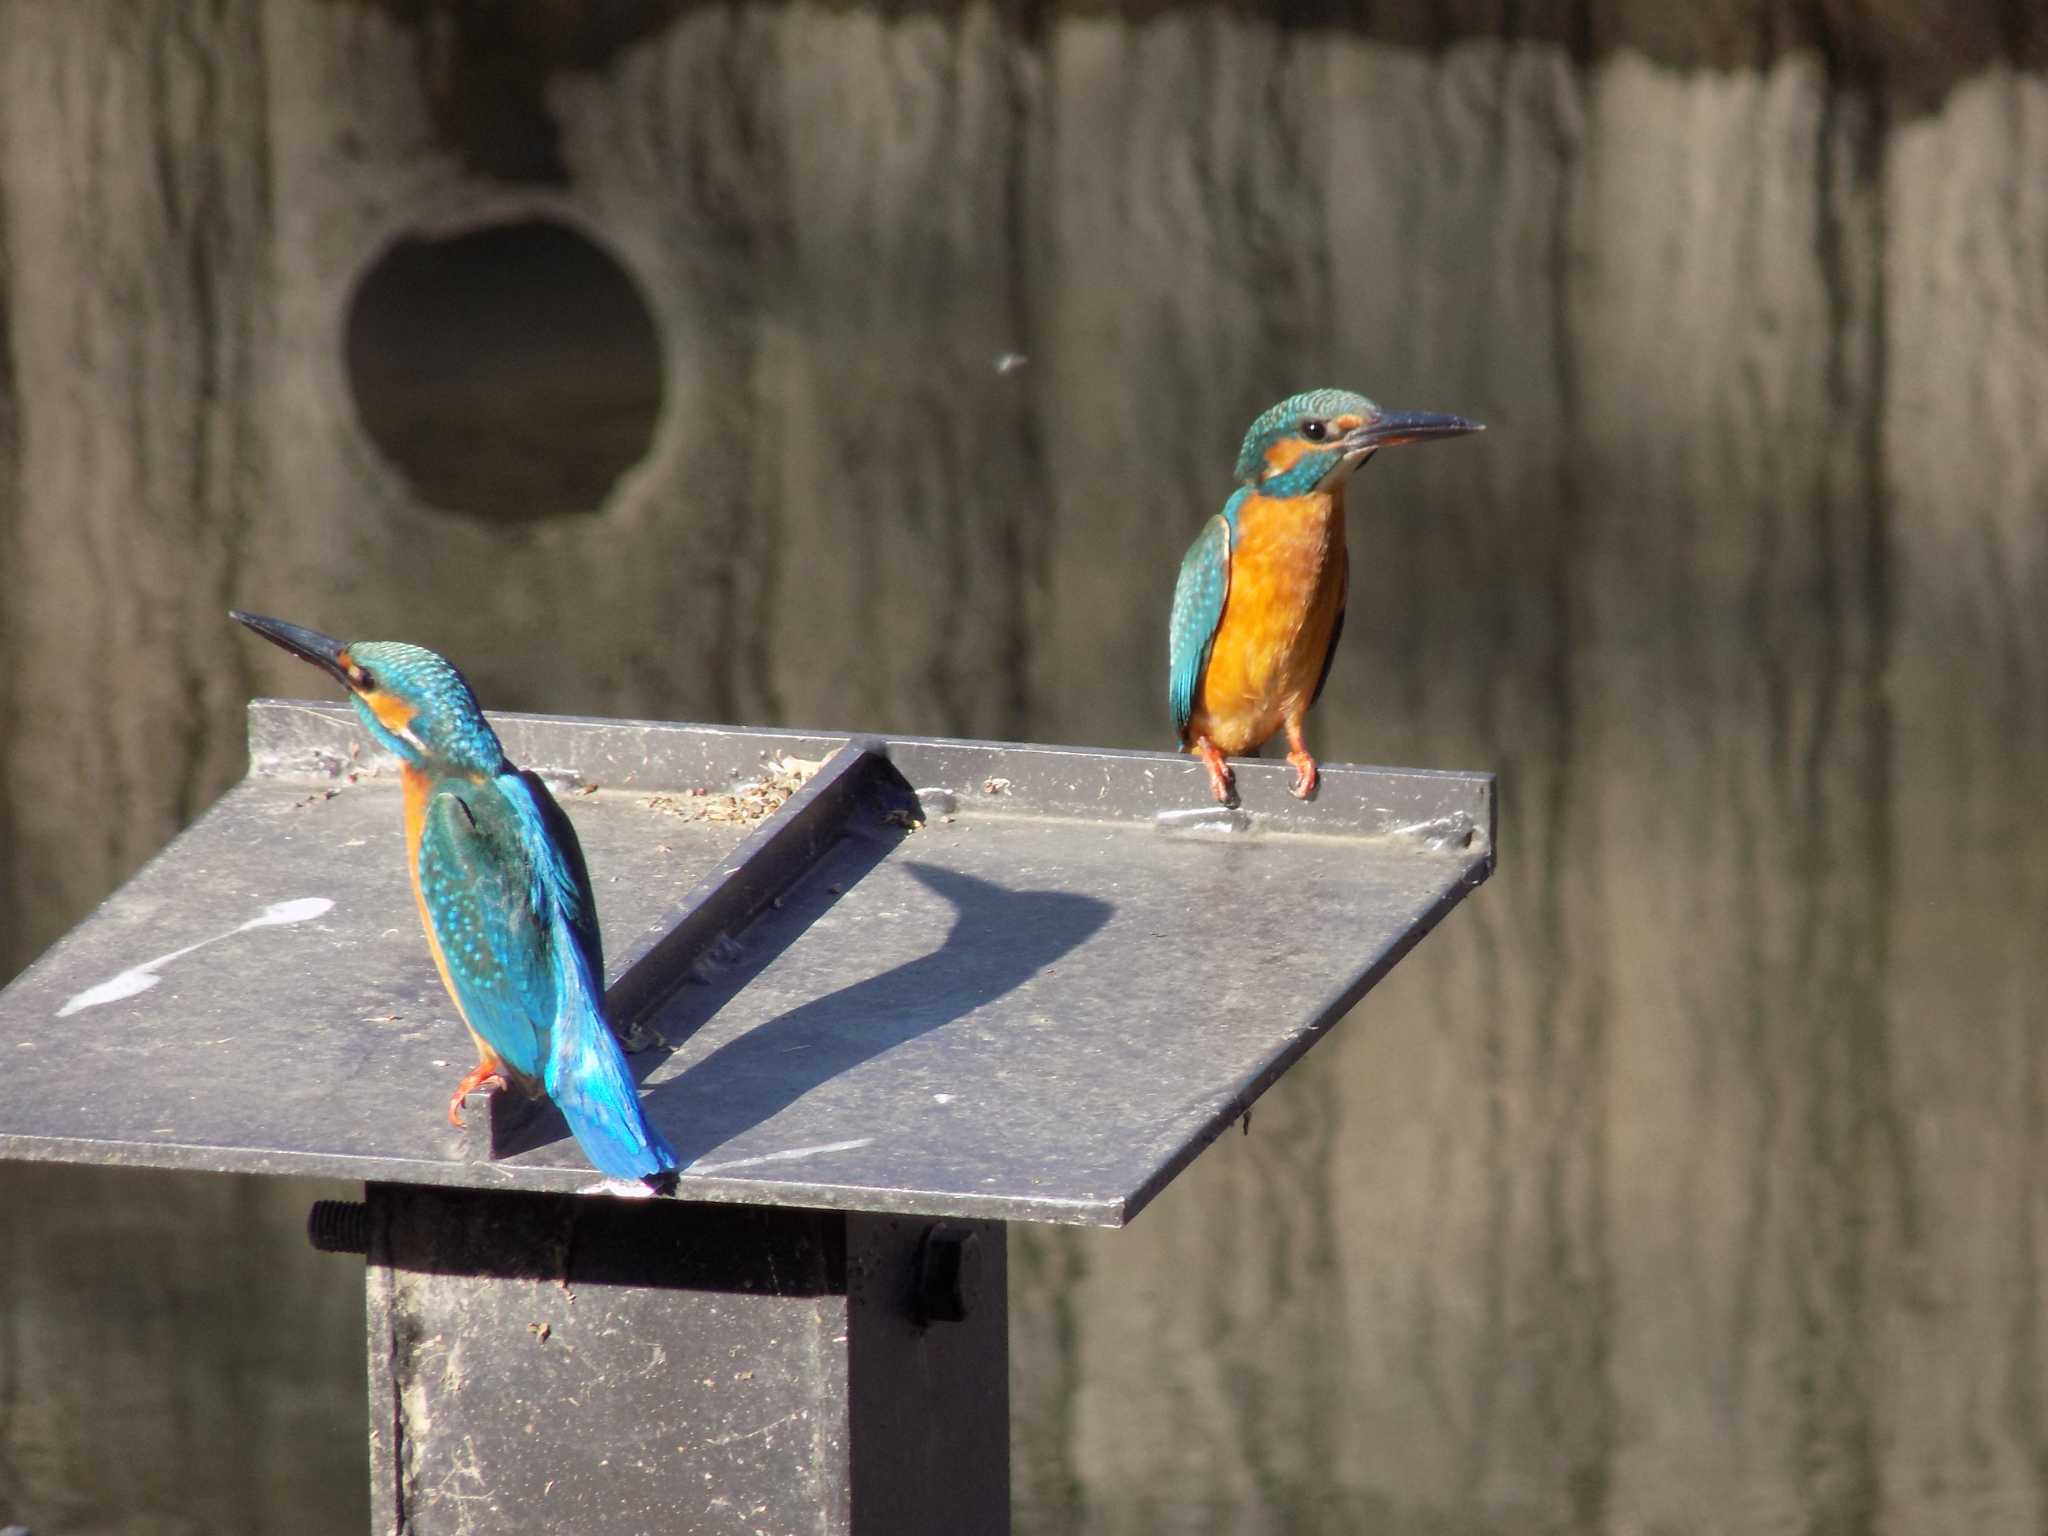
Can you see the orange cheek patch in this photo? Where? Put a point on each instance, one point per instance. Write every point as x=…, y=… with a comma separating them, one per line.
x=1284, y=455
x=392, y=713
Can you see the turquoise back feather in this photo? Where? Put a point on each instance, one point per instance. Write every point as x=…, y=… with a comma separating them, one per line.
x=509, y=897
x=1198, y=599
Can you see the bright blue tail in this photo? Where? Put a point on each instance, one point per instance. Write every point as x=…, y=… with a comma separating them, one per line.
x=588, y=1079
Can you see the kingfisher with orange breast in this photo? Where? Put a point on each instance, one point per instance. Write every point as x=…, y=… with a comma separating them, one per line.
x=1260, y=600
x=504, y=896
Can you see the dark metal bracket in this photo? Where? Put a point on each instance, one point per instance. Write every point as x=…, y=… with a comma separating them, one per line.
x=857, y=791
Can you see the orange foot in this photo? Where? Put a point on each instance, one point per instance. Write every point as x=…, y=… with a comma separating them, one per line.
x=484, y=1073
x=1305, y=775
x=1222, y=779
x=1297, y=752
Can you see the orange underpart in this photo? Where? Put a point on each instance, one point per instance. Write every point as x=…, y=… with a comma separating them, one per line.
x=1287, y=586
x=418, y=791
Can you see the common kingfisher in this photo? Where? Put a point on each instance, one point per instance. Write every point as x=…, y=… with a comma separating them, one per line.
x=1260, y=600
x=503, y=894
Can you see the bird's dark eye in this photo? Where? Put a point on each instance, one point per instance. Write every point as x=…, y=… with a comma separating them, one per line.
x=1315, y=431
x=358, y=678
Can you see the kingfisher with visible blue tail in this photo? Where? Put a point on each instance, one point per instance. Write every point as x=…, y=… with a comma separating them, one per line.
x=1260, y=600
x=503, y=894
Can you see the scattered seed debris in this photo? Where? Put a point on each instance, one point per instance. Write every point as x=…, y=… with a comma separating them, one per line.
x=746, y=805
x=540, y=1331
x=995, y=786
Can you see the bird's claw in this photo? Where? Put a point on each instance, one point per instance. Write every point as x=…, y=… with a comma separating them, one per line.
x=1222, y=777
x=1305, y=775
x=485, y=1075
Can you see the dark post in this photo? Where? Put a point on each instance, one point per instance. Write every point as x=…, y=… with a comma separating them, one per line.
x=622, y=1366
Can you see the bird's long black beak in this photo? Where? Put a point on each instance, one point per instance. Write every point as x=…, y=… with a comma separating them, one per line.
x=306, y=644
x=1390, y=429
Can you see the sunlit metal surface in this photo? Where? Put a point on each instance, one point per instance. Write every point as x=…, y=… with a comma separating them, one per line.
x=944, y=978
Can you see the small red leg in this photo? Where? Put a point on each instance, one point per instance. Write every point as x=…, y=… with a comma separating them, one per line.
x=1222, y=778
x=1304, y=762
x=483, y=1073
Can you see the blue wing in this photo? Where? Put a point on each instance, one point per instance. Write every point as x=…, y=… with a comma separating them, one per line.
x=586, y=1073
x=568, y=878
x=478, y=878
x=512, y=908
x=1197, y=609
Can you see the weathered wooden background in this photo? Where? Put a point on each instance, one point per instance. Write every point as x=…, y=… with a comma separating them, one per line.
x=1694, y=1179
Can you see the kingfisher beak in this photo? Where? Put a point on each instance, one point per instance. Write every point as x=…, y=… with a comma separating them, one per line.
x=1390, y=429
x=323, y=651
